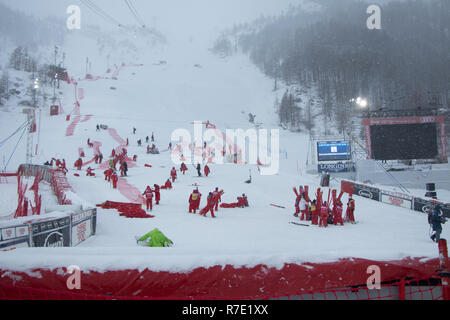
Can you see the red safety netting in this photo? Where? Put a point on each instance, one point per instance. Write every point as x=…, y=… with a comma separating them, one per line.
x=228, y=282
x=425, y=289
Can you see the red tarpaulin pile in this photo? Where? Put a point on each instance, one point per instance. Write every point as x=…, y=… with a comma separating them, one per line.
x=128, y=210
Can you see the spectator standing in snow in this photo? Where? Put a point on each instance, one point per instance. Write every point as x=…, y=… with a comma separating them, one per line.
x=436, y=220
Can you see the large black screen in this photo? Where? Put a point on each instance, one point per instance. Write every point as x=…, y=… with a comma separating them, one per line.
x=404, y=142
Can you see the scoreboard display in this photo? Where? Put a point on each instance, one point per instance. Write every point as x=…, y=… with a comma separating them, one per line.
x=334, y=151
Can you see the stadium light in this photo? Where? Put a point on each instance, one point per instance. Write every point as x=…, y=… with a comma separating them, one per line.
x=361, y=102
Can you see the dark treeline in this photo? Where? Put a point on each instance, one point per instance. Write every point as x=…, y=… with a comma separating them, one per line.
x=404, y=65
x=30, y=32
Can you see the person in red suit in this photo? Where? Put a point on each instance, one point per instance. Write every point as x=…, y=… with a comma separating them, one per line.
x=78, y=164
x=217, y=197
x=108, y=173
x=148, y=149
x=148, y=194
x=157, y=193
x=209, y=206
x=324, y=211
x=207, y=170
x=315, y=213
x=173, y=174
x=350, y=213
x=338, y=214
x=96, y=158
x=168, y=184
x=90, y=172
x=183, y=168
x=194, y=201
x=115, y=179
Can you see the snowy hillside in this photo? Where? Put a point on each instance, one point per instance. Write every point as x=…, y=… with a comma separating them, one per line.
x=195, y=85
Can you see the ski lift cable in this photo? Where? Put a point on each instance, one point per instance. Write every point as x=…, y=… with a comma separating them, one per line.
x=100, y=12
x=135, y=12
x=15, y=148
x=14, y=133
x=90, y=6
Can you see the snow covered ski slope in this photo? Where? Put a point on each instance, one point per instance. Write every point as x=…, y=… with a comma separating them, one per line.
x=195, y=85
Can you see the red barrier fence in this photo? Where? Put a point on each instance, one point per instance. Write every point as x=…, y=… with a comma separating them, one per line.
x=56, y=178
x=309, y=280
x=424, y=289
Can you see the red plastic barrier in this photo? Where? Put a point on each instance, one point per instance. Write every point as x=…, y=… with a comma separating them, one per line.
x=226, y=282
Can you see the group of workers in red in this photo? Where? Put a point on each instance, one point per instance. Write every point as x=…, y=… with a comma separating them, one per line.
x=319, y=212
x=148, y=196
x=212, y=202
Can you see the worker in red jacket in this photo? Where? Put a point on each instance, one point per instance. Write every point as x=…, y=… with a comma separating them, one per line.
x=173, y=174
x=183, y=168
x=148, y=195
x=115, y=179
x=324, y=211
x=338, y=214
x=157, y=193
x=148, y=149
x=168, y=184
x=194, y=201
x=209, y=206
x=350, y=213
x=207, y=170
x=78, y=164
x=108, y=173
x=217, y=197
x=90, y=172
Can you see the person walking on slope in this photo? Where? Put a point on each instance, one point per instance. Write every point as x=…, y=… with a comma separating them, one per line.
x=194, y=201
x=173, y=174
x=157, y=193
x=324, y=211
x=350, y=213
x=217, y=197
x=436, y=219
x=183, y=168
x=207, y=170
x=338, y=214
x=148, y=194
x=209, y=206
x=115, y=179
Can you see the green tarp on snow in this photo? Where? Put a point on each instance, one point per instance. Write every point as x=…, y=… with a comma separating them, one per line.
x=155, y=238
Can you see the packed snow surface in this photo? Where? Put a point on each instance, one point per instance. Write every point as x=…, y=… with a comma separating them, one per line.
x=196, y=85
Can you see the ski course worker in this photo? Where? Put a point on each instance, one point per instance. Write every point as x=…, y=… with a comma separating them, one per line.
x=210, y=205
x=337, y=219
x=157, y=193
x=303, y=208
x=173, y=174
x=217, y=198
x=324, y=211
x=194, y=201
x=148, y=194
x=350, y=213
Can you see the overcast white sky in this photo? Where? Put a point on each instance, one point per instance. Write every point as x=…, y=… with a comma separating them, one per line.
x=193, y=16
